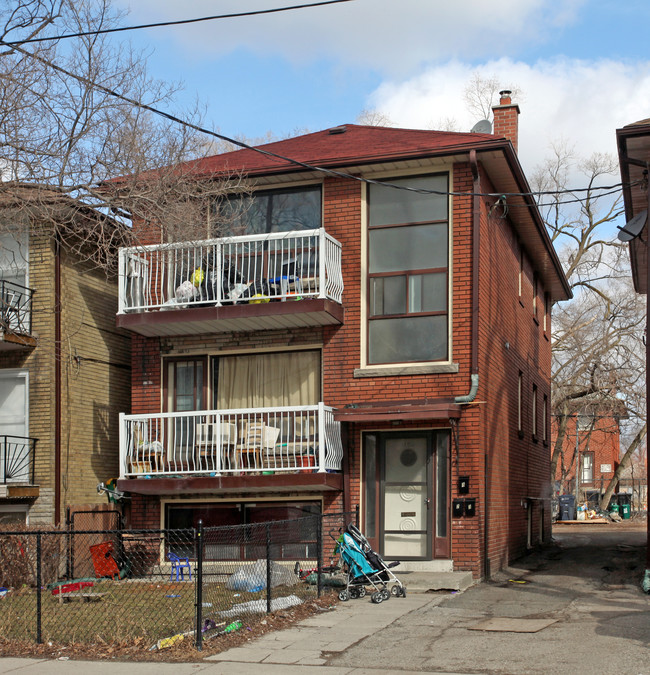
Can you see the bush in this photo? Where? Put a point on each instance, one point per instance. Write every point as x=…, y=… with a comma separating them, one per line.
x=18, y=555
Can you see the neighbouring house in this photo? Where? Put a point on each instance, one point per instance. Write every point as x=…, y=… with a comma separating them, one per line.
x=633, y=143
x=64, y=367
x=592, y=441
x=372, y=332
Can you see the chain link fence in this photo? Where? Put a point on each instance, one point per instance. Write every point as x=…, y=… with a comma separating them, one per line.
x=147, y=587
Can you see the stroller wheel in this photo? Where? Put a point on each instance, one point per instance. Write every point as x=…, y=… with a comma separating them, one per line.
x=354, y=593
x=385, y=594
x=344, y=596
x=395, y=590
x=362, y=592
x=403, y=591
x=377, y=597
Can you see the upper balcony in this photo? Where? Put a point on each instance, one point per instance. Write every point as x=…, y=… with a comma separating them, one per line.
x=253, y=282
x=15, y=316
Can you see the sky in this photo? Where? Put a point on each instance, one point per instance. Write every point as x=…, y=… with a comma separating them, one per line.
x=581, y=68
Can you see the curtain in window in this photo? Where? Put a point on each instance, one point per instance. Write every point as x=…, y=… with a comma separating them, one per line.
x=269, y=380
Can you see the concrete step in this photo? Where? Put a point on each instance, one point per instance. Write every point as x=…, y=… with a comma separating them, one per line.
x=423, y=582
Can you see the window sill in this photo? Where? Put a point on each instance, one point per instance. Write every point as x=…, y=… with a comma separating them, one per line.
x=535, y=319
x=392, y=371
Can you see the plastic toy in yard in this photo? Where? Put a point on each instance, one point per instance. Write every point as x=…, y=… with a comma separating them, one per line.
x=364, y=567
x=104, y=562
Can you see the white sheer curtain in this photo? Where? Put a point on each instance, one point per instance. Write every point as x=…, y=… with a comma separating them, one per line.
x=269, y=380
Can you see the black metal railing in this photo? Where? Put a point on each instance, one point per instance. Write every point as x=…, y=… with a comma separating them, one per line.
x=17, y=459
x=148, y=587
x=15, y=307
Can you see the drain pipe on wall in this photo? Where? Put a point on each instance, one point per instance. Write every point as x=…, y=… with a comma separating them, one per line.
x=476, y=233
x=474, y=379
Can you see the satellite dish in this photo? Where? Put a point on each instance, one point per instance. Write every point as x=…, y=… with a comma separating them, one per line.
x=633, y=227
x=482, y=127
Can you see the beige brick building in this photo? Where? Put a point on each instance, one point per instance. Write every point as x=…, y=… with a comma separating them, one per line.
x=64, y=374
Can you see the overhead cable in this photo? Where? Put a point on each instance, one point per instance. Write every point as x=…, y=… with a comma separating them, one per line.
x=290, y=160
x=179, y=22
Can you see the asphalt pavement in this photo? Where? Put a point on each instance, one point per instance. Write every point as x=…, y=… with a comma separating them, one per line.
x=574, y=607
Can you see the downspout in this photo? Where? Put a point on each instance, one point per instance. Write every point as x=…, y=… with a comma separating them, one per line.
x=57, y=381
x=476, y=215
x=474, y=379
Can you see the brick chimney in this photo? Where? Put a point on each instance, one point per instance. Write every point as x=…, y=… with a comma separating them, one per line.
x=506, y=121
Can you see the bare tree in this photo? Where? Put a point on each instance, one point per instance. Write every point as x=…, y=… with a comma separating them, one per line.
x=597, y=351
x=482, y=92
x=64, y=133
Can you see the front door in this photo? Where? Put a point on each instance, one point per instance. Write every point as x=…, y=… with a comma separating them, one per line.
x=406, y=476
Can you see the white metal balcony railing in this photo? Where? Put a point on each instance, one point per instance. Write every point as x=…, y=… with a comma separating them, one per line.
x=232, y=270
x=227, y=442
x=15, y=307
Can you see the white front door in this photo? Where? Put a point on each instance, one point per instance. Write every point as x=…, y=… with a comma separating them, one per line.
x=14, y=426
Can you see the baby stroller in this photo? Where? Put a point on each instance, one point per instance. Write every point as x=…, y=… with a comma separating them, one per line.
x=364, y=567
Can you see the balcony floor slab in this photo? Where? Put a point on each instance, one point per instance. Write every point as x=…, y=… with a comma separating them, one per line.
x=246, y=484
x=233, y=318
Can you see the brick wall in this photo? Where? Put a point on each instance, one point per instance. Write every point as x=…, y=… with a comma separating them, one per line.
x=95, y=379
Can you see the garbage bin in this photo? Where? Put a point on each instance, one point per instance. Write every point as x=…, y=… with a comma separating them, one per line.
x=624, y=505
x=613, y=507
x=567, y=507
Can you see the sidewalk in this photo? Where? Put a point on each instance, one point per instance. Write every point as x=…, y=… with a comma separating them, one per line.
x=303, y=649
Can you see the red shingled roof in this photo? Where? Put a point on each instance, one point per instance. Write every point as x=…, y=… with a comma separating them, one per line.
x=356, y=145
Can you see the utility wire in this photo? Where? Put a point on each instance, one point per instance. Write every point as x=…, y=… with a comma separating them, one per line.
x=103, y=31
x=282, y=158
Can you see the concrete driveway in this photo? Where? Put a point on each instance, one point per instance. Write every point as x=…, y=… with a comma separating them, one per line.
x=587, y=588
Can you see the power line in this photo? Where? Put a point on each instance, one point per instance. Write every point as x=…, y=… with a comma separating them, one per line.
x=290, y=160
x=103, y=31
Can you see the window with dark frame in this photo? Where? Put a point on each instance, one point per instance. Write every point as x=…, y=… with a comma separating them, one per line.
x=544, y=418
x=408, y=271
x=266, y=211
x=533, y=412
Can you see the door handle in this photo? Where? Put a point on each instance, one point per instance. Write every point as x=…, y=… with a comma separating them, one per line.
x=427, y=501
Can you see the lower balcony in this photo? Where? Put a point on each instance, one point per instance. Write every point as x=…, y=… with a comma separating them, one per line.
x=17, y=467
x=239, y=450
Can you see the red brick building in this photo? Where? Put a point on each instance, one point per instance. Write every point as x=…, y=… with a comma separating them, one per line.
x=595, y=439
x=376, y=335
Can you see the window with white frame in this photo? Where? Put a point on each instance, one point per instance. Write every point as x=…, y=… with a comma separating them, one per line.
x=408, y=270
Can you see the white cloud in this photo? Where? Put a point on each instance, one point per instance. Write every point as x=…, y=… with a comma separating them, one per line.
x=393, y=37
x=583, y=102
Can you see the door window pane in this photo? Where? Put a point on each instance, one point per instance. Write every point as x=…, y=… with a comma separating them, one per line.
x=422, y=338
x=442, y=470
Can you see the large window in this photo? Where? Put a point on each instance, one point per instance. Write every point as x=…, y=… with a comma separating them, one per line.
x=291, y=378
x=245, y=539
x=408, y=275
x=273, y=211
